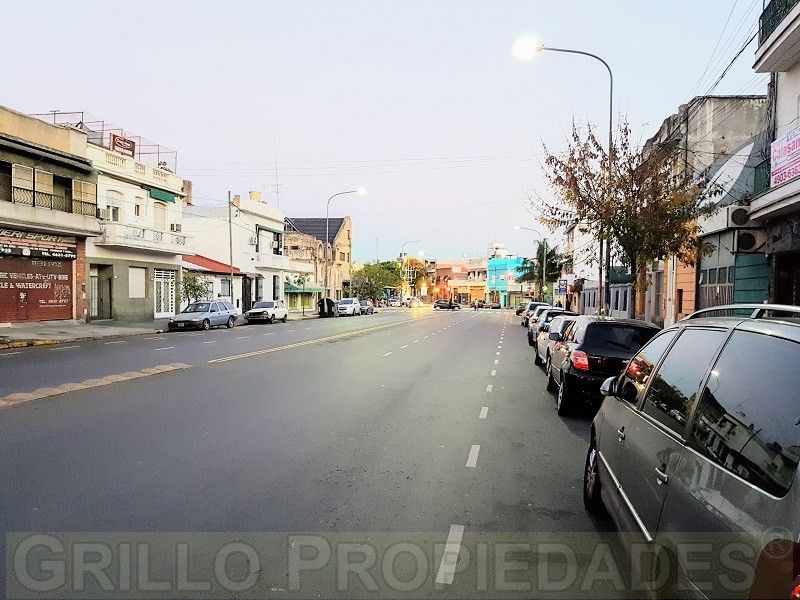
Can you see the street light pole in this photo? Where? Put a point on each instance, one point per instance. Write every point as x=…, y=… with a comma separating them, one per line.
x=403, y=262
x=524, y=49
x=360, y=191
x=542, y=240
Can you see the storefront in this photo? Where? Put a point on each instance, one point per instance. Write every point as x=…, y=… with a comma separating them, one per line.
x=37, y=276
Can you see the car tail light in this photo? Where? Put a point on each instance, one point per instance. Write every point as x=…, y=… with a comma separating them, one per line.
x=580, y=360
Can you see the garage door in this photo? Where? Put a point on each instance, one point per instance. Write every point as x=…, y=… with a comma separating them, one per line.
x=33, y=289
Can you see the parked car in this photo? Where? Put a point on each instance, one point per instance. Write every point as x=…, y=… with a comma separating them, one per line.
x=479, y=304
x=495, y=305
x=697, y=441
x=529, y=310
x=446, y=305
x=533, y=315
x=348, y=306
x=204, y=315
x=543, y=317
x=520, y=308
x=394, y=303
x=367, y=307
x=553, y=320
x=267, y=311
x=589, y=351
x=414, y=302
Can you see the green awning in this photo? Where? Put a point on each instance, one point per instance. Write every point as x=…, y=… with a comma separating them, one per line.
x=290, y=287
x=163, y=195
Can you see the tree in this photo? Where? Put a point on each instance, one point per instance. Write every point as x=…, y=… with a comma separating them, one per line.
x=532, y=269
x=417, y=272
x=194, y=286
x=647, y=201
x=372, y=278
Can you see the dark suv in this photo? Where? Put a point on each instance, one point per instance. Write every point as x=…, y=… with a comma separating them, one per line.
x=587, y=353
x=697, y=446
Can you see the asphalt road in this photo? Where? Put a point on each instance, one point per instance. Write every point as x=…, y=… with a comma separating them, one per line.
x=356, y=457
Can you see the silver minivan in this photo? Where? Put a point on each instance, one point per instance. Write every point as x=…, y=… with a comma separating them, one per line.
x=694, y=453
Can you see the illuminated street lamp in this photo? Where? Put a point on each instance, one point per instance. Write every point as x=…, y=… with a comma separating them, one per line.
x=525, y=49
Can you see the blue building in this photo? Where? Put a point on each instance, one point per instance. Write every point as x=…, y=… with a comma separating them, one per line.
x=501, y=280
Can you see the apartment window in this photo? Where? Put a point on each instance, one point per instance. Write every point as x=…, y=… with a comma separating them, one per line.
x=679, y=300
x=722, y=276
x=703, y=276
x=712, y=276
x=625, y=300
x=341, y=256
x=113, y=213
x=137, y=277
x=84, y=197
x=276, y=287
x=731, y=274
x=44, y=182
x=137, y=210
x=225, y=285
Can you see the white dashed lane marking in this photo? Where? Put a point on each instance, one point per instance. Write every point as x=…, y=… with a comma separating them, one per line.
x=116, y=342
x=484, y=412
x=388, y=353
x=447, y=568
x=64, y=348
x=489, y=388
x=472, y=459
x=404, y=346
x=10, y=353
x=493, y=373
x=496, y=361
x=165, y=348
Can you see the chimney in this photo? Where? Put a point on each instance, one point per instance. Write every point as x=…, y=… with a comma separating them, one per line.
x=255, y=196
x=187, y=189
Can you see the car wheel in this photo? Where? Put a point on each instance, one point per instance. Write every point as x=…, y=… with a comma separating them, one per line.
x=563, y=398
x=530, y=338
x=537, y=360
x=231, y=322
x=285, y=318
x=548, y=367
x=206, y=324
x=271, y=319
x=592, y=499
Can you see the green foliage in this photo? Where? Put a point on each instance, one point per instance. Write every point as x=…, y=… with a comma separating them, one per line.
x=532, y=269
x=194, y=286
x=369, y=281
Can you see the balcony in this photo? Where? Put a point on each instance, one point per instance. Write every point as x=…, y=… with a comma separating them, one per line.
x=51, y=212
x=779, y=37
x=115, y=164
x=268, y=260
x=143, y=238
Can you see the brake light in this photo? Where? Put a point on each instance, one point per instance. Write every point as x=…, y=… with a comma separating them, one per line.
x=580, y=360
x=795, y=593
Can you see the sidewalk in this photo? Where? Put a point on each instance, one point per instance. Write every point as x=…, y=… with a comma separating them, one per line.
x=45, y=333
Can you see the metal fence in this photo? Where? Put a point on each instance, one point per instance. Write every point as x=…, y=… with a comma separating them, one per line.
x=772, y=15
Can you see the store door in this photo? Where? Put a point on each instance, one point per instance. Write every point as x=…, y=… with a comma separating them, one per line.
x=35, y=289
x=163, y=293
x=247, y=293
x=787, y=278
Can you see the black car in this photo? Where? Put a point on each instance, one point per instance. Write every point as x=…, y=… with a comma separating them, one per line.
x=446, y=305
x=590, y=351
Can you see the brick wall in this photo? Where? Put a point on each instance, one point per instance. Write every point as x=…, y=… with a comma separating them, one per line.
x=686, y=280
x=81, y=281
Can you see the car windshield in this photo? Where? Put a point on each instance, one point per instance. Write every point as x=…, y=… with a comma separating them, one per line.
x=197, y=307
x=618, y=336
x=364, y=303
x=263, y=305
x=346, y=301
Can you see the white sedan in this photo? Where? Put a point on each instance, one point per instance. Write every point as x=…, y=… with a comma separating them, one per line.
x=267, y=311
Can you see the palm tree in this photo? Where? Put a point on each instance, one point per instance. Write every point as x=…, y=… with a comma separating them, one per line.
x=532, y=268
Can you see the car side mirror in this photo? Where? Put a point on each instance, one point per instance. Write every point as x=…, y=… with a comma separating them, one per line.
x=555, y=336
x=609, y=387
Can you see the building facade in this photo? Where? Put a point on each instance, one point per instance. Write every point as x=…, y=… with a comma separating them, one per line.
x=306, y=243
x=773, y=272
x=251, y=231
x=135, y=263
x=48, y=209
x=502, y=273
x=462, y=280
x=716, y=137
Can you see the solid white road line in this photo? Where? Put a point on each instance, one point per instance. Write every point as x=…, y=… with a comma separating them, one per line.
x=388, y=353
x=493, y=373
x=117, y=342
x=64, y=348
x=165, y=348
x=472, y=459
x=489, y=388
x=447, y=568
x=155, y=338
x=484, y=412
x=404, y=346
x=10, y=353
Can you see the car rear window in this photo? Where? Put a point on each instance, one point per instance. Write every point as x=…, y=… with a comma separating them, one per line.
x=618, y=336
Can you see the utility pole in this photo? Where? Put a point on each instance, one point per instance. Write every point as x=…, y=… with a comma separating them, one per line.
x=230, y=243
x=544, y=267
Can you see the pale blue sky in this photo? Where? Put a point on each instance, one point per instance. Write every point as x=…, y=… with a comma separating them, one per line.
x=419, y=101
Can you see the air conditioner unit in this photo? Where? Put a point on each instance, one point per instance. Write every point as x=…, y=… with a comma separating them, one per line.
x=749, y=240
x=738, y=216
x=175, y=227
x=103, y=214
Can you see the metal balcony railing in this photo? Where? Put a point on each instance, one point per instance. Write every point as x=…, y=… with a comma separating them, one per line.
x=772, y=16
